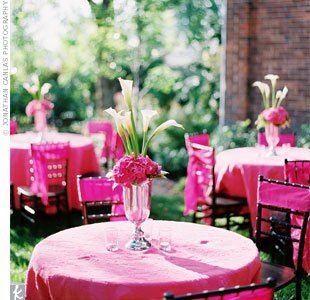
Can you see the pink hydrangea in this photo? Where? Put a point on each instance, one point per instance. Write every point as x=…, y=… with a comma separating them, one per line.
x=35, y=105
x=134, y=170
x=275, y=115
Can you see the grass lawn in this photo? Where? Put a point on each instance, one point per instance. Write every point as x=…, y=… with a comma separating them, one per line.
x=163, y=207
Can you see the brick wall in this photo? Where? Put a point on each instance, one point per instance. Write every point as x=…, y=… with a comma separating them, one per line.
x=266, y=36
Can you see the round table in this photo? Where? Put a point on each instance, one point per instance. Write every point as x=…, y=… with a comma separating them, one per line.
x=74, y=263
x=82, y=159
x=237, y=171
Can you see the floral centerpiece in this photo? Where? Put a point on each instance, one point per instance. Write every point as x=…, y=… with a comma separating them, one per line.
x=135, y=170
x=41, y=105
x=274, y=115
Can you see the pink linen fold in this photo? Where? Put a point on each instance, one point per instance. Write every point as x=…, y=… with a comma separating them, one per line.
x=42, y=155
x=199, y=180
x=13, y=126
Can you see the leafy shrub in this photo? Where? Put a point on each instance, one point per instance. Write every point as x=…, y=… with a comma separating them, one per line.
x=237, y=135
x=303, y=137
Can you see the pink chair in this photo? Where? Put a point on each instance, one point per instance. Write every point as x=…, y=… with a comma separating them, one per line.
x=48, y=169
x=285, y=138
x=293, y=200
x=13, y=126
x=200, y=195
x=198, y=138
x=297, y=171
x=263, y=291
x=113, y=148
x=99, y=200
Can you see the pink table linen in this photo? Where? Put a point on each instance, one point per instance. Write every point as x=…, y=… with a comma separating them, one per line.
x=82, y=159
x=237, y=171
x=74, y=264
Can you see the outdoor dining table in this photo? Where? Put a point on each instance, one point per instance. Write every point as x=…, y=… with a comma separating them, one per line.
x=237, y=171
x=82, y=159
x=74, y=263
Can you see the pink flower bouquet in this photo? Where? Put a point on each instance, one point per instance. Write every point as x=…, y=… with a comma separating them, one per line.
x=273, y=113
x=278, y=116
x=134, y=170
x=41, y=104
x=38, y=92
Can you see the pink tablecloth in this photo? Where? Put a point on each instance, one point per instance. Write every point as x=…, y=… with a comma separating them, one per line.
x=82, y=159
x=73, y=264
x=237, y=171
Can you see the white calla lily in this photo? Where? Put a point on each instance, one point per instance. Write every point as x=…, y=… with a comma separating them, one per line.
x=147, y=116
x=117, y=116
x=26, y=86
x=35, y=79
x=284, y=92
x=33, y=90
x=278, y=95
x=45, y=88
x=273, y=78
x=127, y=86
x=282, y=95
x=126, y=122
x=166, y=125
x=265, y=91
x=158, y=130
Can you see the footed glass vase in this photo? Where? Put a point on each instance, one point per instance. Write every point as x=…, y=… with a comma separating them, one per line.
x=40, y=123
x=137, y=204
x=272, y=137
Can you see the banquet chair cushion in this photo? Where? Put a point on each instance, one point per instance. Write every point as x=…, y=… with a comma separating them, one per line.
x=53, y=191
x=283, y=275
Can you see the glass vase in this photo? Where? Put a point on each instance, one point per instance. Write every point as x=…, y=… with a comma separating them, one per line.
x=40, y=124
x=137, y=204
x=272, y=137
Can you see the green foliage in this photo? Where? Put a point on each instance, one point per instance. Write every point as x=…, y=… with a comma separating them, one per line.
x=237, y=135
x=303, y=137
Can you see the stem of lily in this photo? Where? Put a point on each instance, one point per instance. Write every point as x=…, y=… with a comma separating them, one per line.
x=144, y=150
x=124, y=140
x=144, y=140
x=135, y=137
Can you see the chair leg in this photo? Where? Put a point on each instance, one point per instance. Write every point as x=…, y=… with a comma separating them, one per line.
x=67, y=211
x=250, y=227
x=213, y=214
x=228, y=221
x=298, y=286
x=194, y=219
